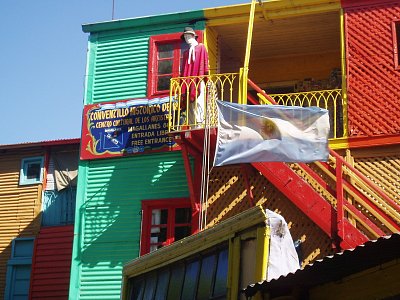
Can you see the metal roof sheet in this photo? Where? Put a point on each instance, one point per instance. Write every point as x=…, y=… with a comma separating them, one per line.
x=334, y=267
x=41, y=143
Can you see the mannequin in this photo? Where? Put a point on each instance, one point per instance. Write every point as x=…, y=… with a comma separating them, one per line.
x=195, y=63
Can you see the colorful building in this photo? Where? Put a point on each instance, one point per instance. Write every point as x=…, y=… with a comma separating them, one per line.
x=37, y=191
x=145, y=175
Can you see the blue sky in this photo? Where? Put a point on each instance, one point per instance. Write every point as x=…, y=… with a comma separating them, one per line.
x=43, y=60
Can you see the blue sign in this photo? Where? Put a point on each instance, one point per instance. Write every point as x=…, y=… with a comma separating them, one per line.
x=126, y=127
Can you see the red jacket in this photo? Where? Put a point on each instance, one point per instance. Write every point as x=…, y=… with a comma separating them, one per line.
x=199, y=67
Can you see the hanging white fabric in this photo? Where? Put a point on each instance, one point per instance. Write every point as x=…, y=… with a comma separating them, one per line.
x=282, y=258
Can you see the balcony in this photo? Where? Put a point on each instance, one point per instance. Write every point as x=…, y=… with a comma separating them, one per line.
x=226, y=87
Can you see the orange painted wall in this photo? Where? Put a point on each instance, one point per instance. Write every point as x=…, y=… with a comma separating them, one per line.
x=20, y=206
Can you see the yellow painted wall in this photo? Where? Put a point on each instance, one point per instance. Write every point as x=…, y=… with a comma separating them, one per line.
x=316, y=66
x=211, y=42
x=375, y=283
x=20, y=206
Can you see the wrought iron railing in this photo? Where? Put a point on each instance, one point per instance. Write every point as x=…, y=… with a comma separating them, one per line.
x=331, y=100
x=193, y=99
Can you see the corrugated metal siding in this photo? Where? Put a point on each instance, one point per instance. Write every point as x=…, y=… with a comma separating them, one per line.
x=211, y=41
x=120, y=70
x=50, y=180
x=373, y=81
x=20, y=206
x=52, y=263
x=109, y=210
x=112, y=215
x=118, y=63
x=59, y=207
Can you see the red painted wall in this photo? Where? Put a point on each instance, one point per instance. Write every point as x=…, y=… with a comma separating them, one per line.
x=51, y=263
x=372, y=77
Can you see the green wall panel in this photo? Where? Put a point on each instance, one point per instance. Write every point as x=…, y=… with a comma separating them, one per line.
x=118, y=60
x=110, y=216
x=110, y=191
x=120, y=67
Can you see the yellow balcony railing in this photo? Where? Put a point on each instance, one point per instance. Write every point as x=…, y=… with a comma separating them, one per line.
x=331, y=100
x=193, y=99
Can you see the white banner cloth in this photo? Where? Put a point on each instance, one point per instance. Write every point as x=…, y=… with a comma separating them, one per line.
x=283, y=258
x=261, y=133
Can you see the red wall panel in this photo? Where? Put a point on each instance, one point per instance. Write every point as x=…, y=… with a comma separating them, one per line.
x=51, y=263
x=372, y=78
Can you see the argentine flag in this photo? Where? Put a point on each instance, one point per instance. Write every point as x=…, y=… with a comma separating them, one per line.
x=271, y=133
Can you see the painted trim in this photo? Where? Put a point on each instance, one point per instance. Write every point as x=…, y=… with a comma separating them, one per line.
x=344, y=63
x=262, y=253
x=152, y=69
x=339, y=143
x=395, y=34
x=165, y=19
x=33, y=263
x=90, y=67
x=373, y=141
x=75, y=275
x=363, y=3
x=234, y=268
x=41, y=144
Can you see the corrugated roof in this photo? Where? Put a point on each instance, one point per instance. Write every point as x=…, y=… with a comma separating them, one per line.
x=334, y=267
x=41, y=144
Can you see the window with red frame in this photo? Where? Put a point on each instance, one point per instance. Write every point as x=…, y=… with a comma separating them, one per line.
x=165, y=59
x=164, y=221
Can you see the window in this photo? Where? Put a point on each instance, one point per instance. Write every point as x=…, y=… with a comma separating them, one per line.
x=31, y=170
x=202, y=277
x=165, y=61
x=396, y=43
x=19, y=269
x=164, y=221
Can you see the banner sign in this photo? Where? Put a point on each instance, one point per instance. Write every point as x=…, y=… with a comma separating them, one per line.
x=126, y=128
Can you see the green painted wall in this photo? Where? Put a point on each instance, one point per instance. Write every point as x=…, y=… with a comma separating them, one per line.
x=118, y=59
x=110, y=191
x=109, y=213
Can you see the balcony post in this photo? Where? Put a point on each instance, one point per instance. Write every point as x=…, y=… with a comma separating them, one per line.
x=245, y=73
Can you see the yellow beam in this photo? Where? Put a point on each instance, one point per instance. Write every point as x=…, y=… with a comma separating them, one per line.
x=234, y=269
x=262, y=253
x=339, y=143
x=248, y=50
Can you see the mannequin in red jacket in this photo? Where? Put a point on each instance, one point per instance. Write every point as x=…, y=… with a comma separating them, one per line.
x=195, y=63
